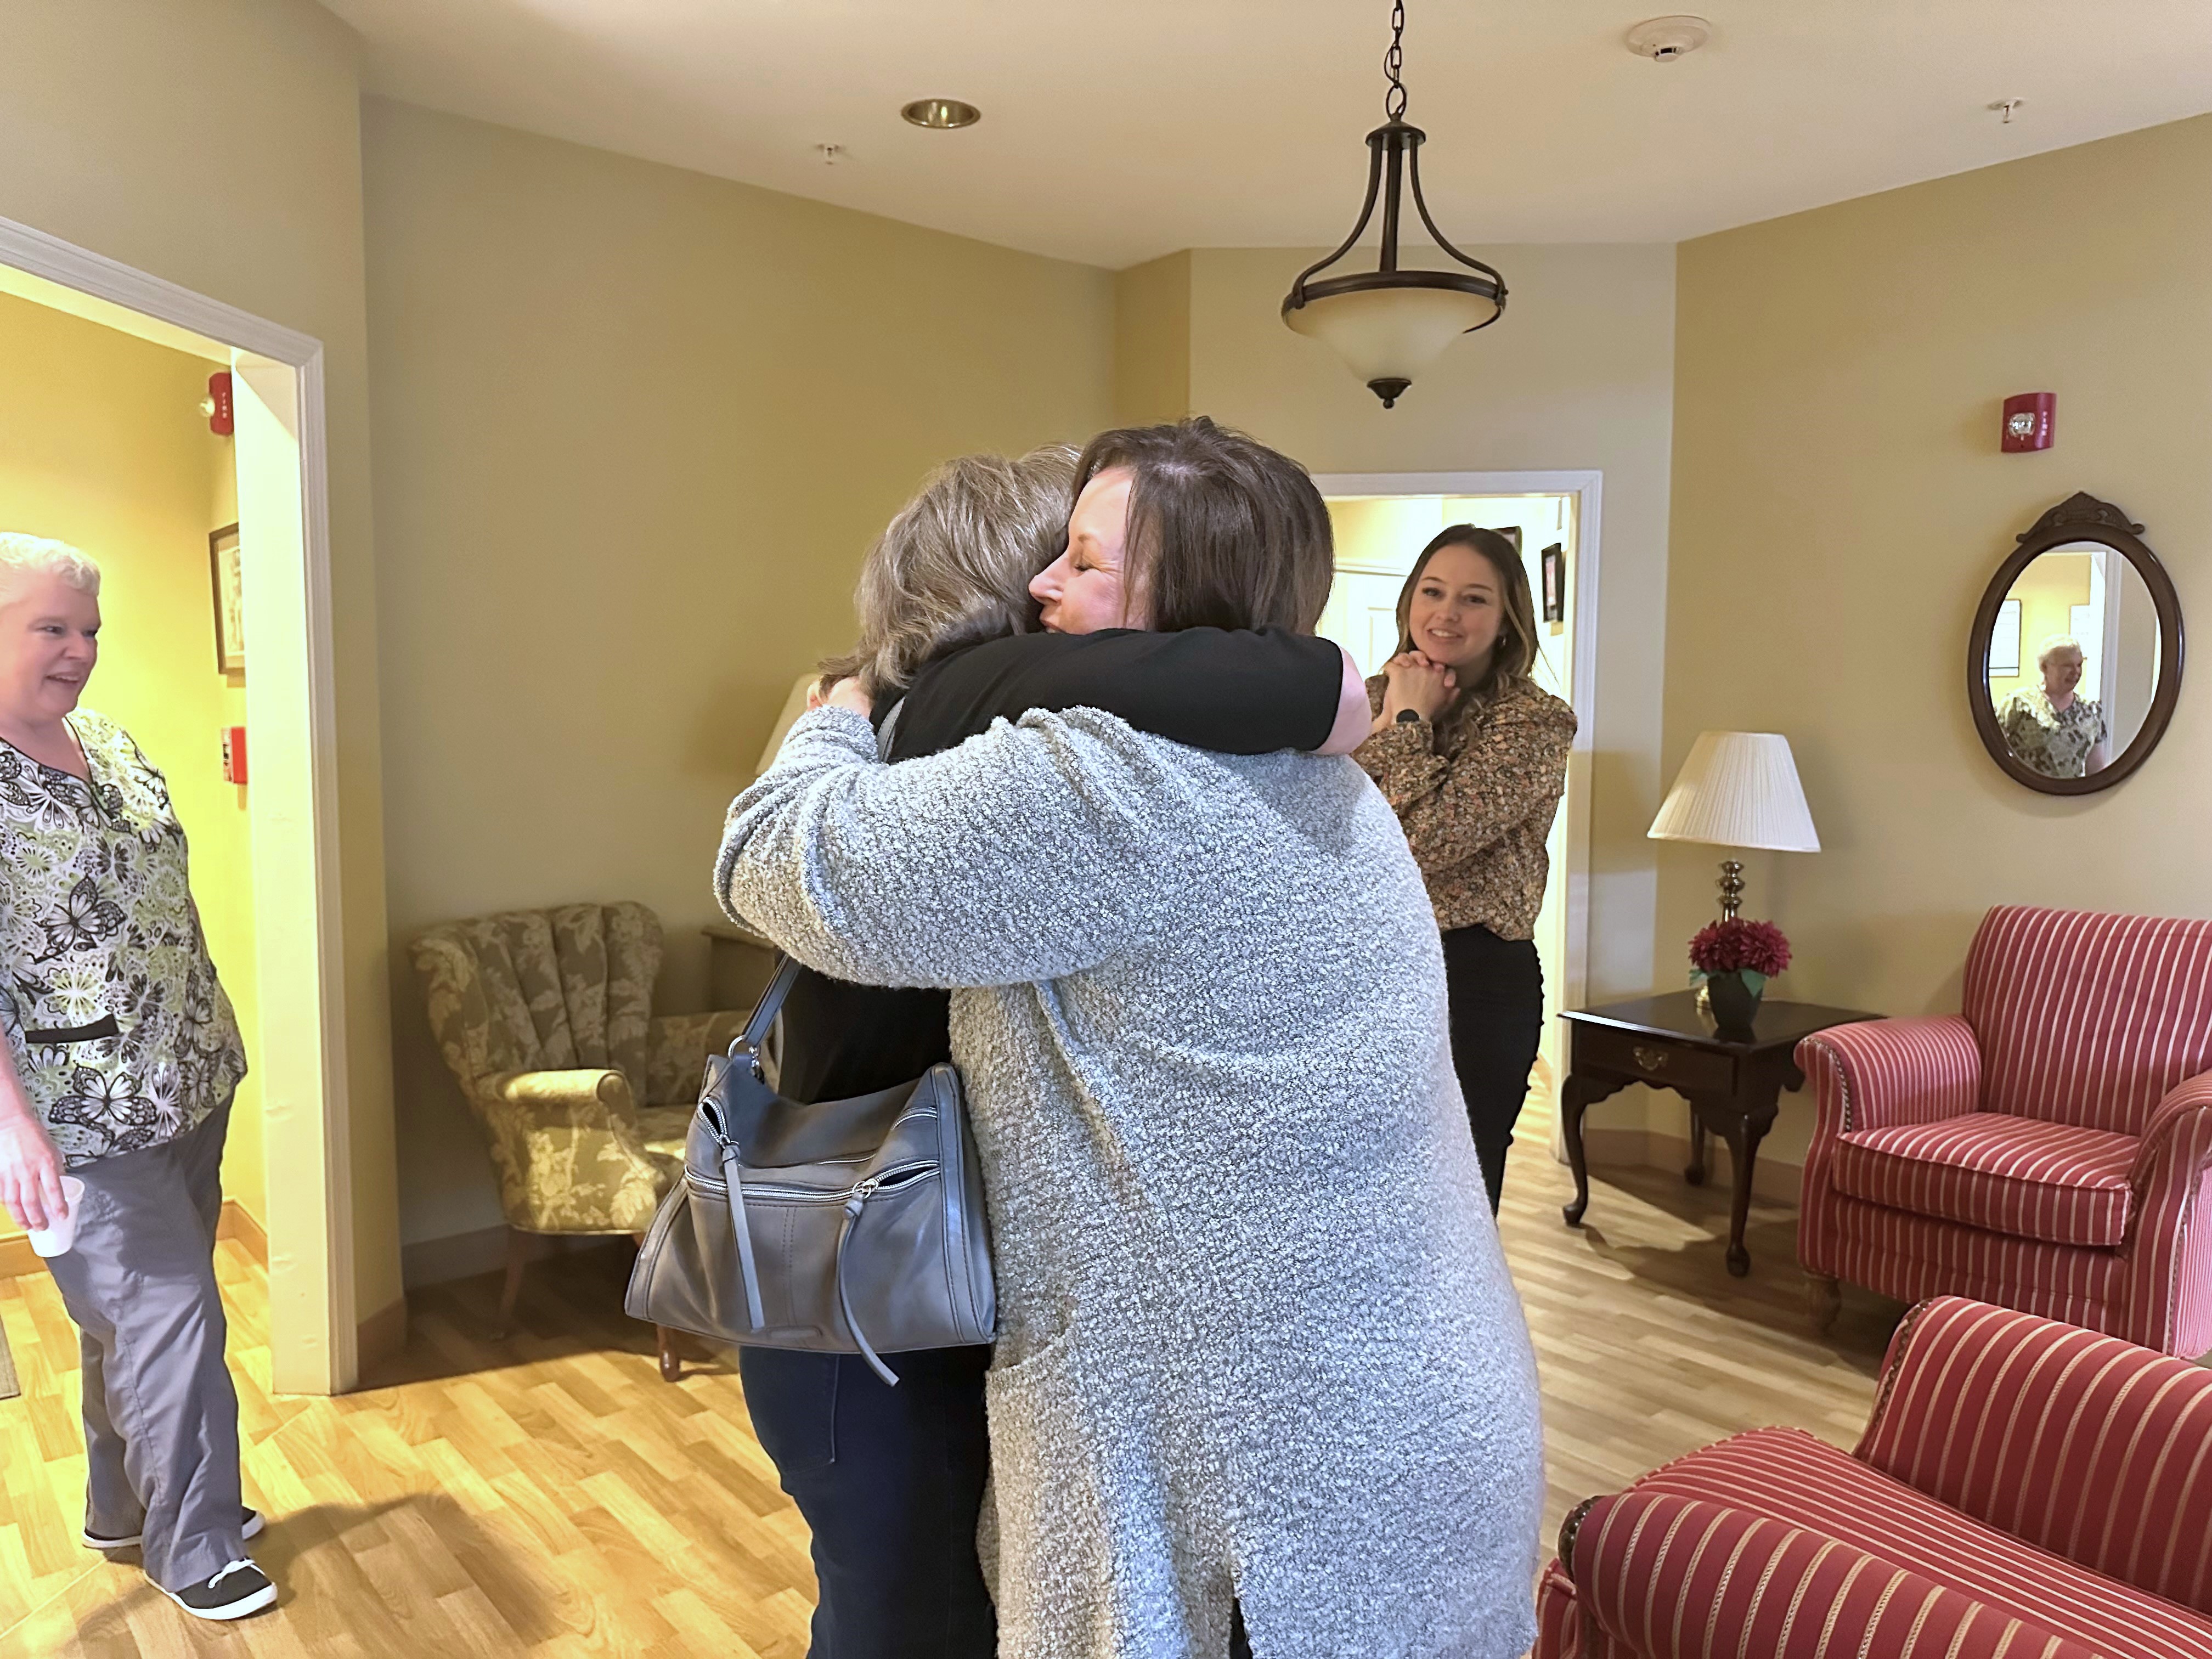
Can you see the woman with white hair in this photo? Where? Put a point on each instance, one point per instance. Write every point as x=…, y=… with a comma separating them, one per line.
x=2050, y=728
x=121, y=1058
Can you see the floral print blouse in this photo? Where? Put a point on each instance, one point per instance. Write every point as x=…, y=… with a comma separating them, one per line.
x=119, y=1028
x=1476, y=795
x=2055, y=742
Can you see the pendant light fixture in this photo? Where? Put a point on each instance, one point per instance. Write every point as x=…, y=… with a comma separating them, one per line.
x=1388, y=324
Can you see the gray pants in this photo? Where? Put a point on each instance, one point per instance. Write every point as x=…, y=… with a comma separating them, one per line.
x=161, y=1416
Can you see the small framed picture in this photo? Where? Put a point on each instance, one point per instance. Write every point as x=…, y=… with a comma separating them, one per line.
x=2004, y=640
x=1555, y=582
x=229, y=579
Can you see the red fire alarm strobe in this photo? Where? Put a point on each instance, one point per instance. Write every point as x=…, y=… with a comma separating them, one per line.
x=217, y=404
x=234, y=754
x=2027, y=421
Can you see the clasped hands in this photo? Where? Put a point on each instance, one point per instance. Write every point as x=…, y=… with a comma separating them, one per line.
x=1418, y=683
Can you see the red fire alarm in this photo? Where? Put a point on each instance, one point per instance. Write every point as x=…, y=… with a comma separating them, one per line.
x=2027, y=421
x=217, y=404
x=234, y=754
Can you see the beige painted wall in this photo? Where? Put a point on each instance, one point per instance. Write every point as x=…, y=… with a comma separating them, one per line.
x=104, y=447
x=217, y=144
x=1840, y=503
x=1152, y=341
x=634, y=428
x=1578, y=374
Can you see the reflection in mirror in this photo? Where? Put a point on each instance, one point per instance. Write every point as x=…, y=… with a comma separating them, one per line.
x=2073, y=664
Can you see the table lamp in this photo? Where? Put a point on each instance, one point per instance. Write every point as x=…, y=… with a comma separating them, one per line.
x=1738, y=789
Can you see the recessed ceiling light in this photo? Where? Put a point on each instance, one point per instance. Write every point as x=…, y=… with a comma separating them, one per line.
x=941, y=114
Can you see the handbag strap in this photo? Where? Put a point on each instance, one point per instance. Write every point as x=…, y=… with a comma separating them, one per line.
x=747, y=1047
x=787, y=968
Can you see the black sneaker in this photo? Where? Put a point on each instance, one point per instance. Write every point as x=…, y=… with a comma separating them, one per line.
x=240, y=1589
x=250, y=1523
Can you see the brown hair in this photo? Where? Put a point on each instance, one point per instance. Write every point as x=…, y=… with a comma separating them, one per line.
x=1515, y=653
x=1224, y=531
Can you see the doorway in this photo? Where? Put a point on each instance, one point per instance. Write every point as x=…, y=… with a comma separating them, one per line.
x=1381, y=521
x=297, y=1044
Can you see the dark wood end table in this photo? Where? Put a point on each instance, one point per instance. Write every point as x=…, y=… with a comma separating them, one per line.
x=1733, y=1083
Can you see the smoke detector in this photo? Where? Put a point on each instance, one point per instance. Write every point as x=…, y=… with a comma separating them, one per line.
x=1662, y=40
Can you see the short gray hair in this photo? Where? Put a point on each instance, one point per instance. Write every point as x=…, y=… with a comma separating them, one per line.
x=42, y=555
x=954, y=567
x=2056, y=643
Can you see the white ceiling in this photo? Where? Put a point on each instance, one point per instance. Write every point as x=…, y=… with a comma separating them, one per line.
x=1115, y=132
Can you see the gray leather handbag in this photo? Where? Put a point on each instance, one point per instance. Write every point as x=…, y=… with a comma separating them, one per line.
x=848, y=1226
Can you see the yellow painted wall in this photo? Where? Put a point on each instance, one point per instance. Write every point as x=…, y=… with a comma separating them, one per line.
x=217, y=144
x=1152, y=341
x=1840, y=503
x=102, y=445
x=635, y=427
x=2048, y=591
x=1577, y=374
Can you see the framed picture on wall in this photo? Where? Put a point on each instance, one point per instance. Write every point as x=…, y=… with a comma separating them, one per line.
x=1555, y=582
x=2004, y=640
x=229, y=600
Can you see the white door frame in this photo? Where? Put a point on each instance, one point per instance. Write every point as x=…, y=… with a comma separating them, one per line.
x=1588, y=487
x=284, y=515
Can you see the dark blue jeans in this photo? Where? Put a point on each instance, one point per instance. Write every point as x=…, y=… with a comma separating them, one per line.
x=891, y=1481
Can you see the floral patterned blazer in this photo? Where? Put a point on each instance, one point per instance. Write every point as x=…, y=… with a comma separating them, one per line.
x=117, y=1023
x=1476, y=795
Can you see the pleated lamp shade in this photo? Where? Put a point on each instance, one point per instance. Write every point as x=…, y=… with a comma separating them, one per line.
x=1739, y=789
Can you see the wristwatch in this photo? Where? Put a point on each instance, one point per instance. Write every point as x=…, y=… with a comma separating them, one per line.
x=1409, y=717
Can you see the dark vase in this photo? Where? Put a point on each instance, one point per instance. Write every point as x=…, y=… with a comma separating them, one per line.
x=1734, y=1004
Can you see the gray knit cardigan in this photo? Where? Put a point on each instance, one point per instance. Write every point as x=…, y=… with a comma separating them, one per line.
x=1258, y=1341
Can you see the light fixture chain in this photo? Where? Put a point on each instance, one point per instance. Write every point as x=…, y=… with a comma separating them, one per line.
x=1393, y=63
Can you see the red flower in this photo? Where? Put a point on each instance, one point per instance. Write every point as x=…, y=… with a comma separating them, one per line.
x=1724, y=947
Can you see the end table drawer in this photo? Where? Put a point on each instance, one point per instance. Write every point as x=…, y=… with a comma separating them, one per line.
x=1671, y=1064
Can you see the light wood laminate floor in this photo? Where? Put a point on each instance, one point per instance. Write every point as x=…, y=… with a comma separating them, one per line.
x=549, y=1495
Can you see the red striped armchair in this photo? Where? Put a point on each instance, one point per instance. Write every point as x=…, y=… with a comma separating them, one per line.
x=2048, y=1149
x=2025, y=1490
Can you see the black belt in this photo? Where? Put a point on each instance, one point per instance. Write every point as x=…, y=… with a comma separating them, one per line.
x=105, y=1026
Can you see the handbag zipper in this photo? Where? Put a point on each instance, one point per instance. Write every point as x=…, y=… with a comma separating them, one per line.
x=904, y=1174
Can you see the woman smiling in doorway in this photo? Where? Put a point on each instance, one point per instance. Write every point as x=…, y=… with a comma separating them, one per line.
x=1473, y=755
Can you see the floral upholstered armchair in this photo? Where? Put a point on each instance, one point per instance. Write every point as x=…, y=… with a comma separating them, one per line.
x=545, y=1019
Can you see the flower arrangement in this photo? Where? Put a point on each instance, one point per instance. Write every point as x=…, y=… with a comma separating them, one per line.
x=1733, y=959
x=1736, y=946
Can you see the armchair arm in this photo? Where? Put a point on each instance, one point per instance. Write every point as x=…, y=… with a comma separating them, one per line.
x=677, y=1047
x=1671, y=1578
x=1880, y=1072
x=565, y=1145
x=2073, y=1441
x=2176, y=1139
x=1870, y=1076
x=2169, y=1242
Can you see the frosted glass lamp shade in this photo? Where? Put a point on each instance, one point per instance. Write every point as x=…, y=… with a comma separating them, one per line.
x=1739, y=789
x=1387, y=335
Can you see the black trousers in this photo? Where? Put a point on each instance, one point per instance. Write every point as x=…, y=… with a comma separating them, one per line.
x=891, y=1481
x=1496, y=991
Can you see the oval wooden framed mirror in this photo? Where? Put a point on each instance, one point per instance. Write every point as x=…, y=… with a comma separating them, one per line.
x=2074, y=665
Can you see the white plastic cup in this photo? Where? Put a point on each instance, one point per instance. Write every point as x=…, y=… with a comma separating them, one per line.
x=57, y=1238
